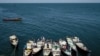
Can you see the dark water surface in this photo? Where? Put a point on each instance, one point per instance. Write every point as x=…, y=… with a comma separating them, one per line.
x=53, y=21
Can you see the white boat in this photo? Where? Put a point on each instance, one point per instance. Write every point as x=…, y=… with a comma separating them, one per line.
x=80, y=45
x=35, y=48
x=43, y=40
x=27, y=49
x=40, y=43
x=66, y=50
x=47, y=49
x=73, y=46
x=14, y=40
x=56, y=49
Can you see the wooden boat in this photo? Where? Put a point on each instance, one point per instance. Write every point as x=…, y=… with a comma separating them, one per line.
x=66, y=50
x=35, y=48
x=80, y=45
x=73, y=46
x=47, y=49
x=14, y=40
x=12, y=19
x=27, y=49
x=56, y=49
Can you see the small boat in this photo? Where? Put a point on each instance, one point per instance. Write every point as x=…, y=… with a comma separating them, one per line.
x=47, y=48
x=27, y=49
x=12, y=19
x=66, y=50
x=80, y=45
x=56, y=49
x=14, y=40
x=41, y=42
x=35, y=48
x=73, y=46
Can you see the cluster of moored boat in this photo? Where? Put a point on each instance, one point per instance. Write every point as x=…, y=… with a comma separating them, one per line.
x=68, y=47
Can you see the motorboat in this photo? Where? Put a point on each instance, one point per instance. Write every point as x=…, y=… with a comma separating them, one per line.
x=14, y=40
x=56, y=49
x=27, y=49
x=47, y=48
x=65, y=48
x=35, y=47
x=81, y=47
x=73, y=46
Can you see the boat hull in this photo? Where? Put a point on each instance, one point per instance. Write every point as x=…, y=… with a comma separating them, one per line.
x=13, y=19
x=74, y=52
x=37, y=53
x=64, y=54
x=81, y=47
x=83, y=52
x=48, y=54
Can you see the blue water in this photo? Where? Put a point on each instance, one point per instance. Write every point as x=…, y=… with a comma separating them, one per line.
x=53, y=21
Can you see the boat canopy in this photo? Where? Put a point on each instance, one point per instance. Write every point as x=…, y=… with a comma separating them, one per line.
x=13, y=37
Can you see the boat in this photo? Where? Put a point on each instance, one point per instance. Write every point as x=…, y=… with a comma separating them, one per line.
x=73, y=46
x=35, y=48
x=65, y=49
x=47, y=48
x=56, y=49
x=12, y=19
x=80, y=45
x=14, y=40
x=41, y=42
x=27, y=49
